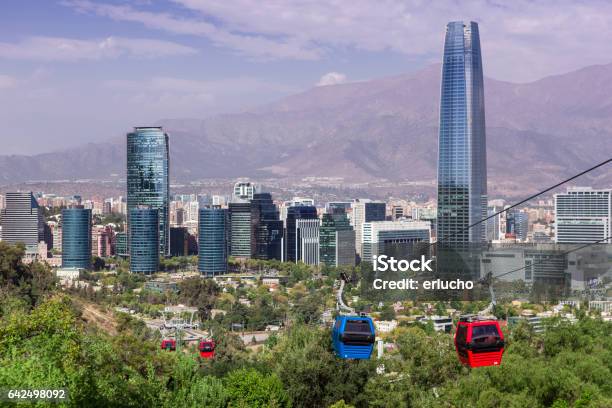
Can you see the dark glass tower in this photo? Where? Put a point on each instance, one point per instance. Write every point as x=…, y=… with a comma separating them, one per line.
x=462, y=161
x=76, y=238
x=121, y=245
x=213, y=241
x=266, y=228
x=298, y=212
x=337, y=239
x=148, y=181
x=240, y=229
x=144, y=240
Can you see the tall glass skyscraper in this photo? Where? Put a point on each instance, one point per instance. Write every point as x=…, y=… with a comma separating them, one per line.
x=148, y=180
x=462, y=161
x=292, y=238
x=337, y=239
x=266, y=228
x=144, y=240
x=76, y=238
x=240, y=229
x=213, y=241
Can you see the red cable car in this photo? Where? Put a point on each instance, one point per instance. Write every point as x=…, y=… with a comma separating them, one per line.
x=168, y=344
x=479, y=341
x=207, y=349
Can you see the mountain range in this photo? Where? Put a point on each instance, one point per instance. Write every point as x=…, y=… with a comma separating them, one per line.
x=537, y=133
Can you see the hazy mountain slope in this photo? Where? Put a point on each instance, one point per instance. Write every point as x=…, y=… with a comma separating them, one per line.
x=384, y=128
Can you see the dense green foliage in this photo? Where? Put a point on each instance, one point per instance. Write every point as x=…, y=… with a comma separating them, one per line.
x=45, y=343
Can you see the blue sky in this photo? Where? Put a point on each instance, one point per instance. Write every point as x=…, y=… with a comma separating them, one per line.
x=77, y=71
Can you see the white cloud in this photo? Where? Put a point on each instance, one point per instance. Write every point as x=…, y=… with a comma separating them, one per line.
x=255, y=46
x=332, y=78
x=549, y=36
x=69, y=49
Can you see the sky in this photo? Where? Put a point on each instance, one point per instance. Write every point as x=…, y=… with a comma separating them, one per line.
x=80, y=71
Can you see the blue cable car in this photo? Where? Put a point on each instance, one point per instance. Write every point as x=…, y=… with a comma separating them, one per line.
x=353, y=337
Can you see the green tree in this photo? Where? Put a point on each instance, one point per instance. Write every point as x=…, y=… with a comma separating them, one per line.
x=387, y=312
x=252, y=389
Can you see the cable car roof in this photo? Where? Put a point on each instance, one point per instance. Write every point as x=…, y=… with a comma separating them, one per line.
x=476, y=318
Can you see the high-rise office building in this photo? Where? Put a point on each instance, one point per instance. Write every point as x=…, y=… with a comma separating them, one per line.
x=148, y=179
x=307, y=235
x=493, y=224
x=394, y=238
x=48, y=236
x=334, y=206
x=365, y=210
x=292, y=245
x=397, y=212
x=57, y=238
x=517, y=225
x=337, y=240
x=213, y=241
x=121, y=244
x=462, y=163
x=179, y=241
x=76, y=238
x=583, y=215
x=22, y=221
x=244, y=190
x=240, y=229
x=144, y=239
x=266, y=228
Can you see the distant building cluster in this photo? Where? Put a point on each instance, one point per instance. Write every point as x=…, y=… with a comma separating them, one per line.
x=149, y=223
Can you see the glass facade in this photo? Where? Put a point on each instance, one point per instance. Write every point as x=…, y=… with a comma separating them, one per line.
x=148, y=180
x=144, y=240
x=266, y=228
x=365, y=210
x=213, y=241
x=121, y=244
x=583, y=215
x=462, y=166
x=76, y=238
x=292, y=249
x=337, y=240
x=22, y=220
x=240, y=229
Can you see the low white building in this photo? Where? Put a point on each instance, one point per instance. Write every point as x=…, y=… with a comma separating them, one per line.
x=385, y=326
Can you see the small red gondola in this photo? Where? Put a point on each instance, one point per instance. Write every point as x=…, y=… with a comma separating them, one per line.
x=479, y=341
x=168, y=344
x=207, y=349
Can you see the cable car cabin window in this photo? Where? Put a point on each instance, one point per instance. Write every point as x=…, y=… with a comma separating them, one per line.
x=461, y=338
x=485, y=338
x=357, y=326
x=206, y=347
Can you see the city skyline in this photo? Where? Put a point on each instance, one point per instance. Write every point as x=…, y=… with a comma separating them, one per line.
x=302, y=204
x=146, y=62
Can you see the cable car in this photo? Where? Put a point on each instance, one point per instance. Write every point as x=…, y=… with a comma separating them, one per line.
x=168, y=344
x=353, y=337
x=207, y=348
x=479, y=341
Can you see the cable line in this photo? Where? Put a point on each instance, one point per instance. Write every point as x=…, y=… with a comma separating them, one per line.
x=563, y=253
x=525, y=200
